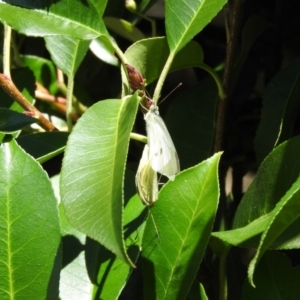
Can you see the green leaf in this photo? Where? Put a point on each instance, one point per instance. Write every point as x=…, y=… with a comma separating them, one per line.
x=275, y=177
x=44, y=145
x=44, y=71
x=93, y=170
x=29, y=228
x=280, y=109
x=203, y=293
x=284, y=214
x=100, y=6
x=67, y=52
x=184, y=215
x=102, y=48
x=74, y=280
x=124, y=29
x=113, y=274
x=12, y=121
x=184, y=19
x=244, y=236
x=276, y=279
x=76, y=19
x=197, y=292
x=143, y=56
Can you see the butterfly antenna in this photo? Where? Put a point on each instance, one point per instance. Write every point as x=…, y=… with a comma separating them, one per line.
x=145, y=108
x=160, y=183
x=147, y=93
x=175, y=88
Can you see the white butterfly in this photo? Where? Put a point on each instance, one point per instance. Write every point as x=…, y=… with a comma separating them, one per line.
x=162, y=153
x=146, y=180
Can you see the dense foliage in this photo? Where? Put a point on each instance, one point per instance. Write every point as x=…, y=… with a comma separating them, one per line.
x=72, y=134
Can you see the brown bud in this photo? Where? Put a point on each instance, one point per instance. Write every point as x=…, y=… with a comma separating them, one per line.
x=136, y=80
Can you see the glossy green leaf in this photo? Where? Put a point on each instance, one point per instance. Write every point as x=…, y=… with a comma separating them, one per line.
x=275, y=177
x=246, y=236
x=280, y=109
x=184, y=215
x=76, y=18
x=44, y=71
x=197, y=292
x=184, y=19
x=93, y=170
x=67, y=52
x=12, y=121
x=203, y=293
x=97, y=271
x=29, y=228
x=113, y=274
x=44, y=145
x=143, y=56
x=74, y=281
x=103, y=49
x=124, y=29
x=100, y=6
x=284, y=214
x=275, y=278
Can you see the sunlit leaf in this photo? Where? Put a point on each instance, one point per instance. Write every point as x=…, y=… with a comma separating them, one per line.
x=29, y=228
x=284, y=214
x=93, y=171
x=124, y=29
x=112, y=274
x=143, y=56
x=184, y=19
x=67, y=52
x=275, y=177
x=103, y=49
x=184, y=215
x=77, y=19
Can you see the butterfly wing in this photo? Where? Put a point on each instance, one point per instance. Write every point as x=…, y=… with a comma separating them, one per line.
x=146, y=180
x=164, y=158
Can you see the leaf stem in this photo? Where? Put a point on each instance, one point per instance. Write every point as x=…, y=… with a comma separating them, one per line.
x=163, y=76
x=138, y=137
x=69, y=102
x=123, y=59
x=222, y=276
x=221, y=92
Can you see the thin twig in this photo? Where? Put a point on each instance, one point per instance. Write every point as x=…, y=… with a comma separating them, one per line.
x=49, y=98
x=9, y=87
x=230, y=54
